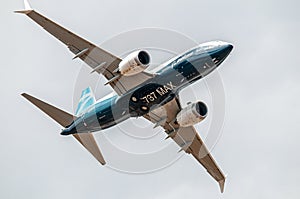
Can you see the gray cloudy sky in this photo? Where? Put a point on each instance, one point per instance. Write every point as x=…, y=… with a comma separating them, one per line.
x=260, y=141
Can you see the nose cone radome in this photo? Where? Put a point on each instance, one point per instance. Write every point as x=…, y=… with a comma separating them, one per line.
x=229, y=47
x=225, y=50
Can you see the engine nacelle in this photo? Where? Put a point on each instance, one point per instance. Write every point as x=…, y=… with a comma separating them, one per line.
x=192, y=114
x=134, y=63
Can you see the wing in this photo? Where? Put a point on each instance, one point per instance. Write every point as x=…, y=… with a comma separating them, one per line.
x=98, y=59
x=187, y=138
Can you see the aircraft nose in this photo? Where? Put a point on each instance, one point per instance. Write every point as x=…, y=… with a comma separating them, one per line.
x=227, y=48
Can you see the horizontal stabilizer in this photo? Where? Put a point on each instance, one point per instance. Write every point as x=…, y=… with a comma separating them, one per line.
x=60, y=116
x=88, y=141
x=65, y=119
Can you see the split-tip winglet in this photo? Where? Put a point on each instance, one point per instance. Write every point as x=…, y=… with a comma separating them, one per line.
x=27, y=5
x=222, y=184
x=27, y=9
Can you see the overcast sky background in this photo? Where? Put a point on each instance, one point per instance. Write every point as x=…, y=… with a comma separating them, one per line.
x=260, y=141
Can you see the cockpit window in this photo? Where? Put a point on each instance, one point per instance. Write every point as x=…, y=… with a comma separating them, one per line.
x=210, y=45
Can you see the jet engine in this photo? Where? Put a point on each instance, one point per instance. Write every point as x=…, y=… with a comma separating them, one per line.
x=134, y=63
x=192, y=114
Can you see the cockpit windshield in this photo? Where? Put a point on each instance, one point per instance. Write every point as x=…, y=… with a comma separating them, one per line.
x=210, y=45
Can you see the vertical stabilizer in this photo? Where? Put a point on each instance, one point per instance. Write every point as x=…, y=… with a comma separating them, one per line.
x=87, y=100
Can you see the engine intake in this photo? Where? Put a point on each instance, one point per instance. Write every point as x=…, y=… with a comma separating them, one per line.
x=201, y=108
x=134, y=63
x=144, y=58
x=192, y=114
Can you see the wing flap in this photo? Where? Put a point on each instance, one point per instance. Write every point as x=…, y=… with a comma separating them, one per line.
x=98, y=59
x=75, y=43
x=81, y=48
x=187, y=139
x=200, y=152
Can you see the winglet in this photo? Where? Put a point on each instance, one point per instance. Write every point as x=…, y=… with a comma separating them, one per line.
x=222, y=185
x=27, y=9
x=27, y=5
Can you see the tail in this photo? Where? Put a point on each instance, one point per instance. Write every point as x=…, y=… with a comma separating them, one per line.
x=60, y=116
x=65, y=119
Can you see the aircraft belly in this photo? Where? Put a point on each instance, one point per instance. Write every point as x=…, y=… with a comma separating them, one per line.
x=150, y=96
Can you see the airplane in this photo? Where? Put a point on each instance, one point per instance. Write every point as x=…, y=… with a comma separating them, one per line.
x=153, y=95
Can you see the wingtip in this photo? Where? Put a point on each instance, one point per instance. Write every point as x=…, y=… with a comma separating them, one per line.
x=23, y=11
x=24, y=95
x=222, y=185
x=103, y=163
x=27, y=8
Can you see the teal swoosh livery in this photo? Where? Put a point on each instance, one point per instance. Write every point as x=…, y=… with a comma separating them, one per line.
x=87, y=100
